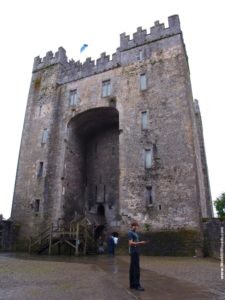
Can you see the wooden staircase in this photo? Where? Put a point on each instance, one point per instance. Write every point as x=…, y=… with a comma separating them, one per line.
x=78, y=235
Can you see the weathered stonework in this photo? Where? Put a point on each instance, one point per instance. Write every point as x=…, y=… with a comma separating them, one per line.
x=6, y=235
x=213, y=230
x=93, y=152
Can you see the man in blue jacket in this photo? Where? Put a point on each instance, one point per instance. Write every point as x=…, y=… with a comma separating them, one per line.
x=134, y=244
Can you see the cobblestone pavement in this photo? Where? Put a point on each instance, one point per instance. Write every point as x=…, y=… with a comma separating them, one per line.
x=203, y=272
x=100, y=277
x=28, y=279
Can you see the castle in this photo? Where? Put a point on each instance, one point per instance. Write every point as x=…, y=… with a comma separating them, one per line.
x=119, y=139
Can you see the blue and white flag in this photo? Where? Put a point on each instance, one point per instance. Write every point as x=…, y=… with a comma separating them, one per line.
x=83, y=48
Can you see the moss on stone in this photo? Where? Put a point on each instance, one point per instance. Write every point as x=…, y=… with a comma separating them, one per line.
x=166, y=243
x=20, y=245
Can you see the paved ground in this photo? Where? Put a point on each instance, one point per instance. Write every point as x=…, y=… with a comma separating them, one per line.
x=100, y=277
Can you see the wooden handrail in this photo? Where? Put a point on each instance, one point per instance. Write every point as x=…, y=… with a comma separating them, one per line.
x=45, y=238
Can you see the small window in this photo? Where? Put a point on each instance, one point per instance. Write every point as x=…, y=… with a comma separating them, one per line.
x=144, y=120
x=149, y=195
x=96, y=193
x=44, y=136
x=143, y=82
x=73, y=98
x=141, y=56
x=40, y=109
x=37, y=205
x=148, y=158
x=106, y=88
x=104, y=193
x=40, y=169
x=113, y=150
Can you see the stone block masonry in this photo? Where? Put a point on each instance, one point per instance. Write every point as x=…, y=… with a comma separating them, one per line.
x=117, y=138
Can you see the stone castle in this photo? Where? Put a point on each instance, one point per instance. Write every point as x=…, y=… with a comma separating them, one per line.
x=117, y=139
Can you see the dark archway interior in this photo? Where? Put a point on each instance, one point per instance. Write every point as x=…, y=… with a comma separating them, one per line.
x=92, y=164
x=101, y=210
x=95, y=120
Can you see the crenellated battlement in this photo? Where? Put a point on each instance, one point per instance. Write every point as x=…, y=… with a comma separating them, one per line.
x=157, y=32
x=74, y=70
x=50, y=59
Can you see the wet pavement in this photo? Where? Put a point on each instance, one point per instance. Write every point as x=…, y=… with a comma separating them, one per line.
x=102, y=277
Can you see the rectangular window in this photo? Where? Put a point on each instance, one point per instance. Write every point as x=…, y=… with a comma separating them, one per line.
x=40, y=169
x=63, y=190
x=96, y=193
x=141, y=55
x=40, y=108
x=37, y=205
x=143, y=82
x=104, y=193
x=73, y=98
x=106, y=88
x=144, y=120
x=44, y=136
x=149, y=195
x=148, y=158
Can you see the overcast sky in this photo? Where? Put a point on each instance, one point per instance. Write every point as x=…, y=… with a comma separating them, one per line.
x=30, y=28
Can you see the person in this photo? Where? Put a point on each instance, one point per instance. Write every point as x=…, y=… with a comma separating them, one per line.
x=134, y=243
x=100, y=245
x=111, y=245
x=115, y=238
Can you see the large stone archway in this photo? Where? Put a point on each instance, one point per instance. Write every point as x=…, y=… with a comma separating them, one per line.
x=92, y=164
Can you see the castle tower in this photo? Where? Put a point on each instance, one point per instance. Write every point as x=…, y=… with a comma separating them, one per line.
x=119, y=138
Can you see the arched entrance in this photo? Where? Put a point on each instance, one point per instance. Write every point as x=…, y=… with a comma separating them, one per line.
x=92, y=164
x=101, y=210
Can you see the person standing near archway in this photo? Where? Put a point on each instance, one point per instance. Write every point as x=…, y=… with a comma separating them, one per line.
x=134, y=243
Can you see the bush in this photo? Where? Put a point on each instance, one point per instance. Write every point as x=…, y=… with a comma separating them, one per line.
x=219, y=204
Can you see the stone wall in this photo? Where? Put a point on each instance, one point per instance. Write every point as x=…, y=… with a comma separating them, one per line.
x=41, y=116
x=6, y=235
x=212, y=237
x=208, y=206
x=167, y=243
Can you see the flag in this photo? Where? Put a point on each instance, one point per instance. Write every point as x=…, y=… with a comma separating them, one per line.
x=83, y=48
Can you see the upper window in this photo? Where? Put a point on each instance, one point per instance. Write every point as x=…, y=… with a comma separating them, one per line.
x=144, y=120
x=40, y=169
x=73, y=98
x=96, y=193
x=37, y=205
x=141, y=56
x=148, y=158
x=143, y=82
x=106, y=88
x=44, y=136
x=149, y=195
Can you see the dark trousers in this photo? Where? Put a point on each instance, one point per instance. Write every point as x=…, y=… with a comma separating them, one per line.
x=111, y=249
x=134, y=270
